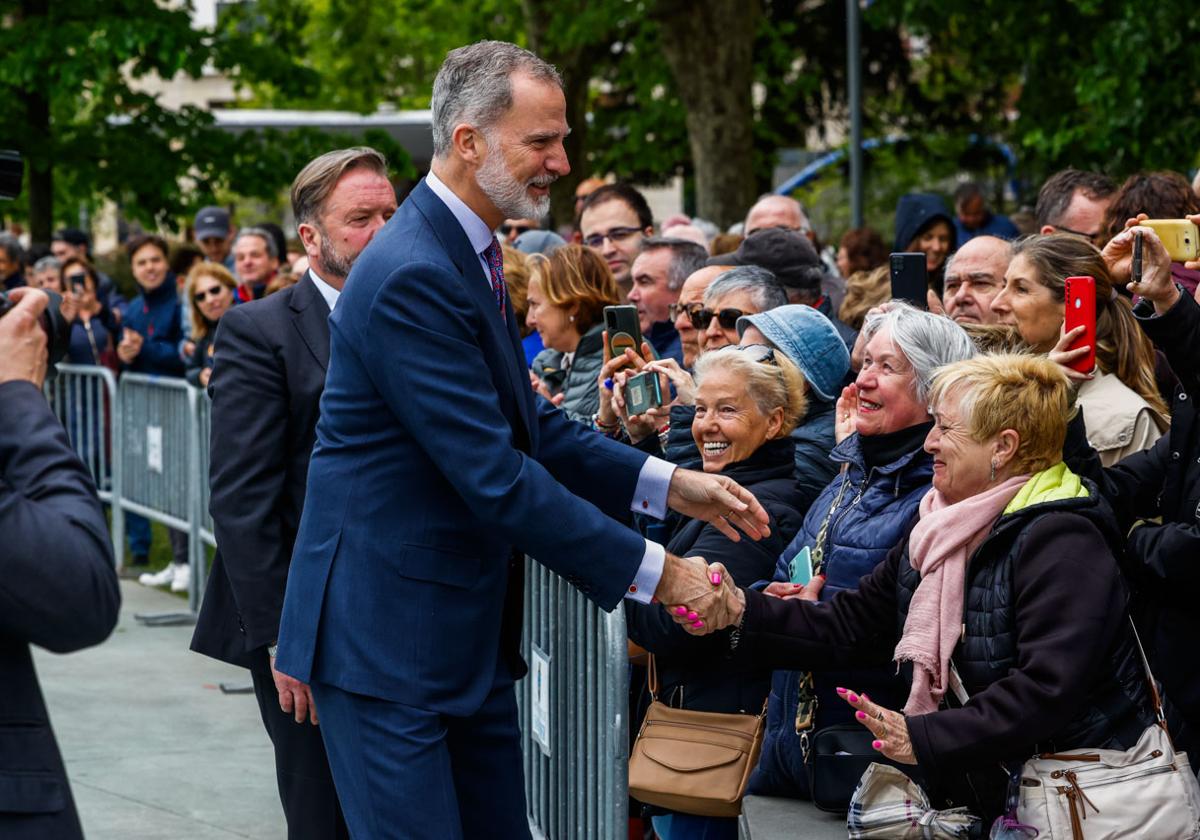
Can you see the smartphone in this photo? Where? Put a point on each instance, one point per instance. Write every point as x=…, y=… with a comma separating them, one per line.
x=1181, y=237
x=624, y=332
x=77, y=282
x=801, y=567
x=910, y=280
x=642, y=393
x=1081, y=311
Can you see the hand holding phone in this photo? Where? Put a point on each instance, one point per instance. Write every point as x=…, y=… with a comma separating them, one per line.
x=1180, y=237
x=622, y=330
x=1080, y=311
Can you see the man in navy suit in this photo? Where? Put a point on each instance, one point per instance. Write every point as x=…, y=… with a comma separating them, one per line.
x=434, y=470
x=58, y=588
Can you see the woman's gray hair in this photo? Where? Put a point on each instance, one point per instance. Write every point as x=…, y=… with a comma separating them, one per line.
x=927, y=341
x=474, y=86
x=766, y=291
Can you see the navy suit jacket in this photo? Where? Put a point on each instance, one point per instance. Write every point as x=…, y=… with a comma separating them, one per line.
x=433, y=467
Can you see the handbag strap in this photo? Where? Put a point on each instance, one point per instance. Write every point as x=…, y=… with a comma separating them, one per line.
x=1154, y=695
x=652, y=683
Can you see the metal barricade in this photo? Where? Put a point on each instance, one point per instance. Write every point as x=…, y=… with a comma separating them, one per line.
x=573, y=712
x=84, y=397
x=203, y=442
x=159, y=450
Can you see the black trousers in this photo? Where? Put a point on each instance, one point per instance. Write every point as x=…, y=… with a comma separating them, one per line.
x=310, y=802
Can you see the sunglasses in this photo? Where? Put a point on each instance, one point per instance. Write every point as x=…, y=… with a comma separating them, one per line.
x=617, y=234
x=1096, y=238
x=519, y=229
x=204, y=294
x=727, y=318
x=676, y=309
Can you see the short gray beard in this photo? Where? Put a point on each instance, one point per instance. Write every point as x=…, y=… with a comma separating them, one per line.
x=333, y=263
x=508, y=194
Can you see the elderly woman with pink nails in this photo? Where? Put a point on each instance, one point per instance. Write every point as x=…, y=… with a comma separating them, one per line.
x=1003, y=608
x=748, y=400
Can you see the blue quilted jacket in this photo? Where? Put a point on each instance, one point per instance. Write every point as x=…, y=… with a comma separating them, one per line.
x=875, y=512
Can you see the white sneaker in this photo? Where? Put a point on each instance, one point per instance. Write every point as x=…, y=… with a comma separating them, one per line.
x=161, y=578
x=182, y=581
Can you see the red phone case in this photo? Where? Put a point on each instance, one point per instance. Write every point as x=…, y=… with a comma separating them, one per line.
x=1080, y=307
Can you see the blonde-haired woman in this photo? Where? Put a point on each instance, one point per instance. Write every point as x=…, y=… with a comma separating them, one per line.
x=1122, y=407
x=568, y=290
x=748, y=400
x=210, y=293
x=1008, y=582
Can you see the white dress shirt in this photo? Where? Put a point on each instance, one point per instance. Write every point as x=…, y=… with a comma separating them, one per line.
x=654, y=481
x=330, y=294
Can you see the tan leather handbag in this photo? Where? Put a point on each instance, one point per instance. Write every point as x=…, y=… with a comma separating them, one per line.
x=693, y=762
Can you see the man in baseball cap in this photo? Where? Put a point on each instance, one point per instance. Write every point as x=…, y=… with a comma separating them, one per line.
x=794, y=261
x=214, y=235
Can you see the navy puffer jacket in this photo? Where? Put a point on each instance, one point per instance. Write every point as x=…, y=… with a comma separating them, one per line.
x=875, y=513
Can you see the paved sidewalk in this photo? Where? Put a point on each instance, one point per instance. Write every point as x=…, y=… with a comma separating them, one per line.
x=154, y=749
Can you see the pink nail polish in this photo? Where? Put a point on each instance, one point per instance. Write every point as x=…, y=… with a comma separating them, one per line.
x=841, y=691
x=716, y=578
x=680, y=610
x=877, y=744
x=852, y=697
x=698, y=623
x=860, y=715
x=693, y=616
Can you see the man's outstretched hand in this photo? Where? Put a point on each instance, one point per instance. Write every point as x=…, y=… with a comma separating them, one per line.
x=699, y=597
x=720, y=501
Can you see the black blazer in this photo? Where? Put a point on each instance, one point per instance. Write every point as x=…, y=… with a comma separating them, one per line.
x=58, y=590
x=266, y=385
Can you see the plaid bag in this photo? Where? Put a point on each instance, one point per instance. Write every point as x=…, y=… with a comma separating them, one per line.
x=889, y=805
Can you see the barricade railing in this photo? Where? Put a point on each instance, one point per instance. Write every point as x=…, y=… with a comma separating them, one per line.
x=84, y=397
x=574, y=712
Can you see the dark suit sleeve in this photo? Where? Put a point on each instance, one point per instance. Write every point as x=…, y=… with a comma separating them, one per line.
x=58, y=588
x=423, y=315
x=248, y=467
x=578, y=456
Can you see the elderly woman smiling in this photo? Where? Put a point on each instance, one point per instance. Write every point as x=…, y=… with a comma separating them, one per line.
x=1006, y=582
x=748, y=399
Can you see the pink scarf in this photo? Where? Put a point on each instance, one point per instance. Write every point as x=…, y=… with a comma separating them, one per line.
x=938, y=548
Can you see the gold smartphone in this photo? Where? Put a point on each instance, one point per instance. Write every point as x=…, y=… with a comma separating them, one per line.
x=1181, y=237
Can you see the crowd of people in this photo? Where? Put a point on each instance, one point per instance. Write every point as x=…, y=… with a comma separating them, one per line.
x=947, y=496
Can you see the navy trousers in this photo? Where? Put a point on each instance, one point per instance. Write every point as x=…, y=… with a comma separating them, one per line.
x=403, y=772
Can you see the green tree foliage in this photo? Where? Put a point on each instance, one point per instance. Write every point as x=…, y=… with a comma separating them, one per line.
x=1103, y=84
x=69, y=71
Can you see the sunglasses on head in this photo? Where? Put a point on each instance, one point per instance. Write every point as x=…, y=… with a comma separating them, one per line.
x=727, y=318
x=204, y=294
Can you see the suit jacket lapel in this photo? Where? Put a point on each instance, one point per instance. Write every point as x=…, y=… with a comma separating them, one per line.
x=311, y=318
x=459, y=249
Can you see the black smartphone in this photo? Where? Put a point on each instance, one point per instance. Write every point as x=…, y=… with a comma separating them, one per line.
x=910, y=280
x=77, y=282
x=624, y=333
x=642, y=393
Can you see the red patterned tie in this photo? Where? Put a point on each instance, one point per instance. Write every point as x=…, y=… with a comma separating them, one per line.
x=495, y=261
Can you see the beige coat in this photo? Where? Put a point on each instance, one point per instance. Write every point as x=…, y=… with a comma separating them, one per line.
x=1119, y=422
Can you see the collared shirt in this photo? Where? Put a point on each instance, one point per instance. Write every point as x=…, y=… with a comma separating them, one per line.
x=654, y=480
x=330, y=294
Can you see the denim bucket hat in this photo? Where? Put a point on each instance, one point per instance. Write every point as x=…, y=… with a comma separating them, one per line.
x=810, y=340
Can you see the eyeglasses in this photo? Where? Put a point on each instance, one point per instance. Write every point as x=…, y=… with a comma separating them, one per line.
x=727, y=318
x=675, y=309
x=1096, y=238
x=204, y=294
x=617, y=234
x=507, y=230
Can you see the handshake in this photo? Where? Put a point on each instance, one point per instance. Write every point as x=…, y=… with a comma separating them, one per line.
x=700, y=597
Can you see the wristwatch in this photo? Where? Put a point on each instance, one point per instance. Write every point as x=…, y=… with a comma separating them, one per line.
x=273, y=649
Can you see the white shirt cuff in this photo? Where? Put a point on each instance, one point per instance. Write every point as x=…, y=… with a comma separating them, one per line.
x=645, y=582
x=654, y=481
